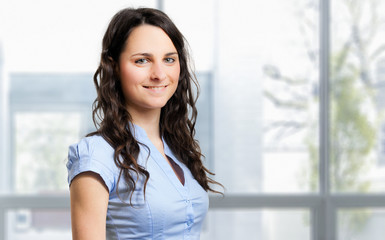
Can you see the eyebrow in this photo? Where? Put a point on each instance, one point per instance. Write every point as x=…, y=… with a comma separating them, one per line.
x=150, y=55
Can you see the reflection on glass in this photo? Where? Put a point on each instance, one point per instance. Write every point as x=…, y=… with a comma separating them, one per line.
x=356, y=107
x=255, y=225
x=41, y=147
x=39, y=224
x=361, y=224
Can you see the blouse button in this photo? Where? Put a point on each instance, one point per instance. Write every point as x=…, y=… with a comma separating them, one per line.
x=189, y=223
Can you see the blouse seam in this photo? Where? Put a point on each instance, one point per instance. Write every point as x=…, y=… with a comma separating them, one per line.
x=151, y=220
x=113, y=224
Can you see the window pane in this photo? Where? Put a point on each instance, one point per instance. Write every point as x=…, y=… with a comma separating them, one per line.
x=65, y=35
x=254, y=224
x=361, y=224
x=357, y=104
x=39, y=224
x=41, y=148
x=265, y=96
x=198, y=31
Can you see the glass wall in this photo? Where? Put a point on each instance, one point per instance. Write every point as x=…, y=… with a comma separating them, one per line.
x=357, y=106
x=255, y=224
x=291, y=114
x=368, y=224
x=39, y=224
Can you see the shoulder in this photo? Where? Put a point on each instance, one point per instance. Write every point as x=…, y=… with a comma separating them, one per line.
x=91, y=150
x=92, y=154
x=90, y=146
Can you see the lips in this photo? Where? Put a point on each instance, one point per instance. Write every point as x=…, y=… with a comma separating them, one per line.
x=155, y=87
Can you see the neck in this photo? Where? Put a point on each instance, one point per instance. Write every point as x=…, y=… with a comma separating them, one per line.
x=148, y=120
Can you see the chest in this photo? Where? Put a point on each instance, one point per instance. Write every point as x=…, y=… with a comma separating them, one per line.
x=168, y=210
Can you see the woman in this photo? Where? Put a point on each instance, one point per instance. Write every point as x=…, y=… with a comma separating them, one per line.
x=140, y=175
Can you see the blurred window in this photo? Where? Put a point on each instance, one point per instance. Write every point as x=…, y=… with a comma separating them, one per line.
x=291, y=113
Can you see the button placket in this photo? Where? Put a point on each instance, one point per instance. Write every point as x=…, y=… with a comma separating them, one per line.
x=190, y=214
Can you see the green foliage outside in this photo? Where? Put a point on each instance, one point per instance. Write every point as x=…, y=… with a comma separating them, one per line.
x=42, y=141
x=354, y=117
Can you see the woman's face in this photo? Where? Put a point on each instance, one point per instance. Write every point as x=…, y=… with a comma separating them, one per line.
x=149, y=69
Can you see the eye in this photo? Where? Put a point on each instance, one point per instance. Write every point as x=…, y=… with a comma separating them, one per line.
x=169, y=60
x=141, y=61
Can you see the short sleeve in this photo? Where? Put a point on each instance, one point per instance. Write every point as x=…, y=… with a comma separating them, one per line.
x=95, y=155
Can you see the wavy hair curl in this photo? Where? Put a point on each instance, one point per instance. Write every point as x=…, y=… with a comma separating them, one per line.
x=178, y=116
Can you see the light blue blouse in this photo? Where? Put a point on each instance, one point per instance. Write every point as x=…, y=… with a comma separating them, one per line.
x=169, y=209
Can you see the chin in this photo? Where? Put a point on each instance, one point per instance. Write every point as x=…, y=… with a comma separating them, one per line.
x=157, y=105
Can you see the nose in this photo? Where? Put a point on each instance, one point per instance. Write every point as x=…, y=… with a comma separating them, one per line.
x=158, y=71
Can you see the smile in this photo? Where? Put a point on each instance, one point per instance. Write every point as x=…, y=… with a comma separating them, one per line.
x=155, y=87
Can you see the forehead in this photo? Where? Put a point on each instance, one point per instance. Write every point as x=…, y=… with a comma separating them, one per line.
x=148, y=39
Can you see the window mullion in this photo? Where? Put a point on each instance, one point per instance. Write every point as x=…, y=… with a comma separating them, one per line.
x=2, y=222
x=324, y=99
x=160, y=4
x=325, y=226
x=4, y=129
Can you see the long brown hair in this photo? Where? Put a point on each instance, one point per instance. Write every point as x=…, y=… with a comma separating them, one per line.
x=178, y=116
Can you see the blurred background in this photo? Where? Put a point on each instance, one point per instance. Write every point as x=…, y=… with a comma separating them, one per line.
x=291, y=112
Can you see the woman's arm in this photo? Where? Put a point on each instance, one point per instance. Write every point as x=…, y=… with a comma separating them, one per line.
x=89, y=200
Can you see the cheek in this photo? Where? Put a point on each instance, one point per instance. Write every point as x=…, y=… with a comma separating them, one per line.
x=129, y=77
x=176, y=73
